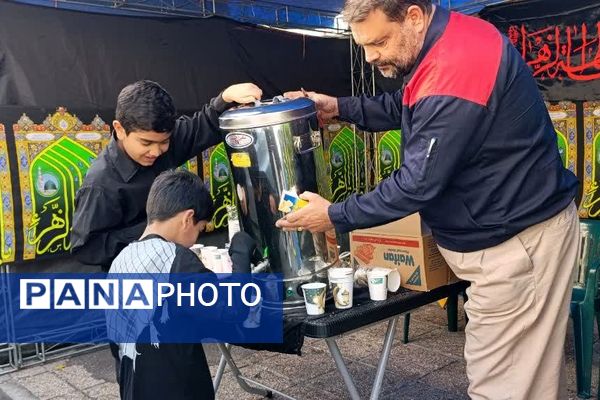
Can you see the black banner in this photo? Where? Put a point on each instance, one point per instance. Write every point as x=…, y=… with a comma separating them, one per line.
x=559, y=40
x=56, y=58
x=51, y=58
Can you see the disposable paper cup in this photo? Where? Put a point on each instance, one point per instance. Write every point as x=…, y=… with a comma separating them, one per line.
x=208, y=256
x=341, y=283
x=217, y=265
x=339, y=273
x=314, y=297
x=393, y=278
x=377, y=284
x=197, y=249
x=226, y=264
x=360, y=276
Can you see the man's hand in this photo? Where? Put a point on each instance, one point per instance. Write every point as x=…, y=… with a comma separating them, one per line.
x=242, y=93
x=327, y=106
x=313, y=217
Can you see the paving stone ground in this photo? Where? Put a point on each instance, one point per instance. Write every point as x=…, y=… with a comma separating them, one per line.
x=429, y=367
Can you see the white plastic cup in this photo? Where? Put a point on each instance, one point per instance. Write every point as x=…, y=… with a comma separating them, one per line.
x=377, y=284
x=314, y=297
x=341, y=283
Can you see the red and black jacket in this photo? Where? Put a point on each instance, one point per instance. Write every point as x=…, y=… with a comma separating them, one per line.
x=481, y=161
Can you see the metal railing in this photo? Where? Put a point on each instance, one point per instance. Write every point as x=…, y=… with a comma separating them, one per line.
x=14, y=356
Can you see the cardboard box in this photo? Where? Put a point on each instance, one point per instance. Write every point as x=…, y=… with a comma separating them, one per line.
x=406, y=245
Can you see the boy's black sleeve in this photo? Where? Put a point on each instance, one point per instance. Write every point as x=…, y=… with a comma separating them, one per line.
x=243, y=252
x=95, y=239
x=194, y=134
x=186, y=261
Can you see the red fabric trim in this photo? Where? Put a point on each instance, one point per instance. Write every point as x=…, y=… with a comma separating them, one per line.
x=463, y=63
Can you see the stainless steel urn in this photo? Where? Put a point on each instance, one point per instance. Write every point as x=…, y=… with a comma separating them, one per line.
x=275, y=147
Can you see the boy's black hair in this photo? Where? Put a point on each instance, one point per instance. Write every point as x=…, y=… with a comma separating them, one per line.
x=175, y=191
x=145, y=105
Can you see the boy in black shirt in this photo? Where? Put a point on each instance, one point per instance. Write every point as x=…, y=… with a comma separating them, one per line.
x=148, y=139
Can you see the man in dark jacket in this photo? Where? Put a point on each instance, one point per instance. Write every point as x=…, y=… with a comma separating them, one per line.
x=482, y=167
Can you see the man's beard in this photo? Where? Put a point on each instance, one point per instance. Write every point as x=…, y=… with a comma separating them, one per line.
x=390, y=71
x=401, y=66
x=394, y=69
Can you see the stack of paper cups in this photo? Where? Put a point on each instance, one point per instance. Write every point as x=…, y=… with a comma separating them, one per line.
x=341, y=283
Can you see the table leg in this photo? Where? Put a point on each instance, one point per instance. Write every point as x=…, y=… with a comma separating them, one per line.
x=341, y=366
x=220, y=370
x=238, y=374
x=383, y=360
x=452, y=312
x=406, y=327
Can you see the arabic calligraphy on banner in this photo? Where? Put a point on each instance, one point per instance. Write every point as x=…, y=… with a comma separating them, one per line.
x=559, y=41
x=7, y=216
x=564, y=118
x=53, y=158
x=345, y=151
x=191, y=165
x=560, y=51
x=388, y=152
x=217, y=172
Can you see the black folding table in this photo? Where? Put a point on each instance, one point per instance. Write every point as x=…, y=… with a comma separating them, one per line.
x=335, y=323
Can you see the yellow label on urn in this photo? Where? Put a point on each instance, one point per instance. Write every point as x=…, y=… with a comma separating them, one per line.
x=241, y=160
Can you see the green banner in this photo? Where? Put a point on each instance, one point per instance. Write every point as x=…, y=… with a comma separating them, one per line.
x=590, y=204
x=389, y=153
x=218, y=173
x=347, y=160
x=54, y=158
